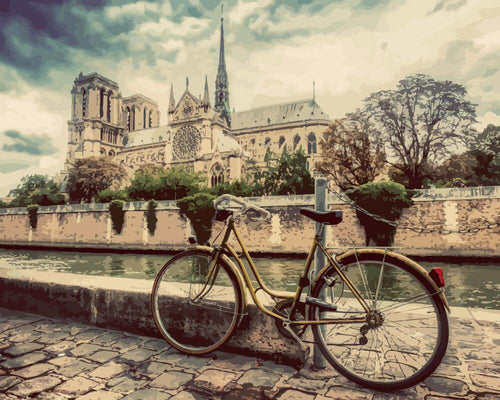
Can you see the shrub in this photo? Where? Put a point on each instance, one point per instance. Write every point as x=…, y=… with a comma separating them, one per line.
x=117, y=215
x=386, y=199
x=199, y=208
x=151, y=218
x=33, y=215
x=107, y=195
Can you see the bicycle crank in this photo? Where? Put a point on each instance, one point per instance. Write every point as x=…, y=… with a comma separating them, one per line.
x=283, y=308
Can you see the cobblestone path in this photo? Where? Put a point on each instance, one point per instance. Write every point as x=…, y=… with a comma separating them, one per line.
x=46, y=358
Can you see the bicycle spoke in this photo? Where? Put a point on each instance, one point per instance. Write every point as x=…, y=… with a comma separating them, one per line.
x=419, y=297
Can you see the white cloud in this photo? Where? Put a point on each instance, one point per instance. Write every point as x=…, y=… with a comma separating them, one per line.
x=164, y=27
x=486, y=119
x=244, y=9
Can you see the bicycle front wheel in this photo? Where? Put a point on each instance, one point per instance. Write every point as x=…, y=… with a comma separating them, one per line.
x=403, y=337
x=196, y=305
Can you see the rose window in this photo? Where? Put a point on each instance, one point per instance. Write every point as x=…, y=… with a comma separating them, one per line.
x=186, y=142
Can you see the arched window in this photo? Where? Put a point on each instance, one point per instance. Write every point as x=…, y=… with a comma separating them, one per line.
x=132, y=118
x=281, y=141
x=102, y=134
x=311, y=143
x=108, y=113
x=144, y=118
x=84, y=103
x=101, y=103
x=217, y=175
x=150, y=118
x=128, y=119
x=296, y=141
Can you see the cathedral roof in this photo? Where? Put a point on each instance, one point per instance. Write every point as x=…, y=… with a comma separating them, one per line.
x=295, y=111
x=147, y=136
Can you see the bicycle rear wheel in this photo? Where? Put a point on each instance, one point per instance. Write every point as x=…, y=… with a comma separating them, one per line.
x=404, y=336
x=196, y=307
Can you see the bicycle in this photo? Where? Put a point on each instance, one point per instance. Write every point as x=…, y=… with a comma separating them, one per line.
x=377, y=317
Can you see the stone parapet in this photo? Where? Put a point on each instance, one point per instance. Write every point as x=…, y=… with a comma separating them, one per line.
x=124, y=304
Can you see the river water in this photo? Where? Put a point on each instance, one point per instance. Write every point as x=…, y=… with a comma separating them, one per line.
x=467, y=284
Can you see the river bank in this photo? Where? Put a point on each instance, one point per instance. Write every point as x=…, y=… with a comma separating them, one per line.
x=450, y=227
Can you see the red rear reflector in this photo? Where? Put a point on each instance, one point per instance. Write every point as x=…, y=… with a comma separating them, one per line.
x=437, y=276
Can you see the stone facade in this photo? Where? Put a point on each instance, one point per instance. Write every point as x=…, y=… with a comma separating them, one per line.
x=210, y=139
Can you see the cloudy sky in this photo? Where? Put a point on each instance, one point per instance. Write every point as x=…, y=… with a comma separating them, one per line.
x=274, y=51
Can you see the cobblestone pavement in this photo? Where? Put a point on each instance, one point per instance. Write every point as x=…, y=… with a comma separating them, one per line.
x=51, y=359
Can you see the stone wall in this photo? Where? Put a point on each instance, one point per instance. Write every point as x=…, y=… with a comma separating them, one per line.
x=89, y=226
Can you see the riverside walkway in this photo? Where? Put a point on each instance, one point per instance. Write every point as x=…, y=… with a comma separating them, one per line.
x=52, y=359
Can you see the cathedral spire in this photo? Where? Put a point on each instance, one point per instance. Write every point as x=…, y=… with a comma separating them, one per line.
x=221, y=82
x=206, y=96
x=171, y=104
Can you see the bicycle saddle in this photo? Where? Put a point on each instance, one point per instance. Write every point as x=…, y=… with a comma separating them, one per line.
x=323, y=217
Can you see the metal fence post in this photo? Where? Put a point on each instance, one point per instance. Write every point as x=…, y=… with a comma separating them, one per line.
x=319, y=258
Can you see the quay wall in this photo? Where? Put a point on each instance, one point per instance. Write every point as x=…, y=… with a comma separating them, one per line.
x=89, y=226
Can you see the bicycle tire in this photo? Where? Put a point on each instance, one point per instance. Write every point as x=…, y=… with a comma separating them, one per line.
x=196, y=325
x=394, y=356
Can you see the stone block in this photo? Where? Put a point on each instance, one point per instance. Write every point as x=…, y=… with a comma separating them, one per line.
x=33, y=386
x=171, y=380
x=214, y=380
x=75, y=387
x=259, y=377
x=107, y=371
x=34, y=370
x=21, y=349
x=147, y=394
x=24, y=360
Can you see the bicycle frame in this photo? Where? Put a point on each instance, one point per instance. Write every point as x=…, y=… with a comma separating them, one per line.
x=303, y=281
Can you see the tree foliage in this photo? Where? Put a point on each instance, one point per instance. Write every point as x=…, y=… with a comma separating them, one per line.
x=352, y=152
x=37, y=189
x=239, y=187
x=283, y=175
x=171, y=184
x=420, y=121
x=88, y=176
x=107, y=195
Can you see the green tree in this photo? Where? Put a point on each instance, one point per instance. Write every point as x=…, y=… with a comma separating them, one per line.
x=37, y=189
x=352, y=152
x=107, y=195
x=239, y=187
x=88, y=176
x=485, y=147
x=420, y=122
x=171, y=184
x=283, y=175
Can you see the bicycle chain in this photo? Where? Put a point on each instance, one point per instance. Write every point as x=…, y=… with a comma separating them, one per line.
x=441, y=231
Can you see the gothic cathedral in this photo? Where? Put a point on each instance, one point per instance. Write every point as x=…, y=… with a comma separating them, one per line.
x=210, y=139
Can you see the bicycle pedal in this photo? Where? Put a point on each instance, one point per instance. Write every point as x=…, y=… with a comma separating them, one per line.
x=323, y=305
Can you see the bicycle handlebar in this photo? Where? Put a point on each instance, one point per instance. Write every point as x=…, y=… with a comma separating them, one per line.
x=241, y=210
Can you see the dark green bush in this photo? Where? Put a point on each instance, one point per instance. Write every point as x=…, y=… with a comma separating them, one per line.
x=151, y=218
x=33, y=215
x=107, y=195
x=117, y=215
x=199, y=208
x=386, y=199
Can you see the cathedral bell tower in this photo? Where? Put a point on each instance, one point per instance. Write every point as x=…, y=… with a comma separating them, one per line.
x=221, y=82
